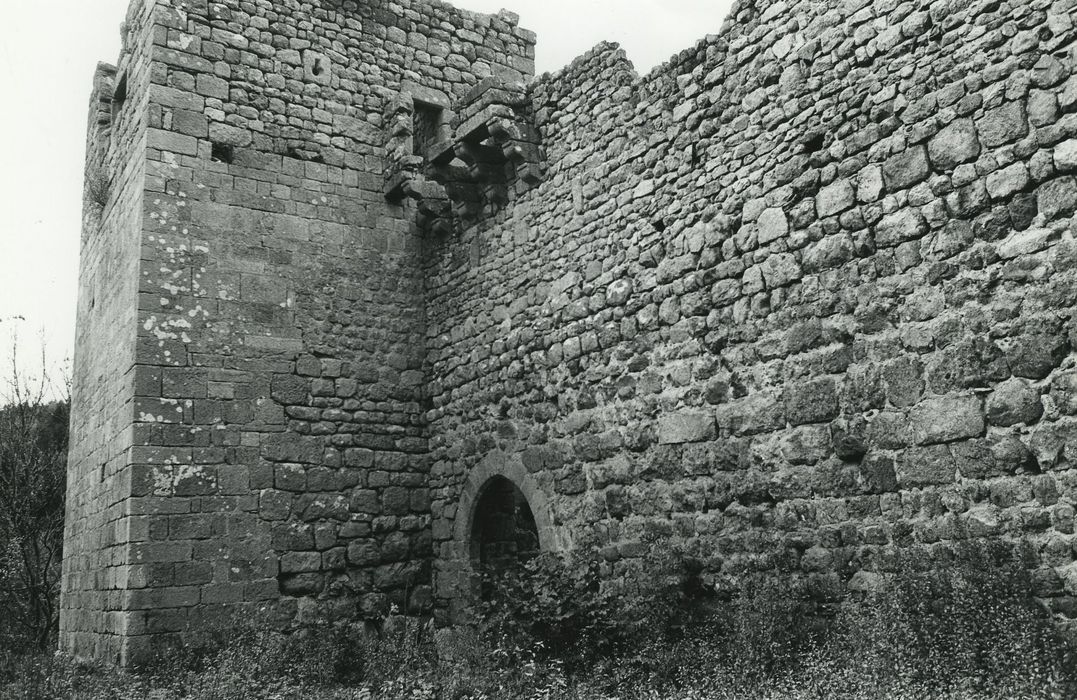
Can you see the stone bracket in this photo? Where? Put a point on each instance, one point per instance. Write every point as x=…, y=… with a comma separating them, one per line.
x=489, y=151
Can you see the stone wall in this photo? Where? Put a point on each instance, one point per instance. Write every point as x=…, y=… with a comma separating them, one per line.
x=796, y=300
x=275, y=444
x=799, y=298
x=98, y=520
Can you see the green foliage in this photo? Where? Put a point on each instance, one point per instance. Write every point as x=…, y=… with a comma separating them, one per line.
x=564, y=628
x=33, y=459
x=969, y=630
x=564, y=607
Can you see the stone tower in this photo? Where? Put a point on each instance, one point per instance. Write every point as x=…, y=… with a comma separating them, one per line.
x=251, y=325
x=367, y=306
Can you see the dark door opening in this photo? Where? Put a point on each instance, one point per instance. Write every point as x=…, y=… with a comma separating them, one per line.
x=504, y=533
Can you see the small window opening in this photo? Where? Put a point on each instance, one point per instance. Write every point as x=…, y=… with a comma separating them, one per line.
x=425, y=122
x=318, y=68
x=659, y=225
x=119, y=96
x=222, y=153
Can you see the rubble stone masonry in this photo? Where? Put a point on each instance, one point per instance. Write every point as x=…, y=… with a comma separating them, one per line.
x=797, y=300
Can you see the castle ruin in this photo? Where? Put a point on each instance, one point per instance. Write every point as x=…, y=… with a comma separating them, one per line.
x=362, y=299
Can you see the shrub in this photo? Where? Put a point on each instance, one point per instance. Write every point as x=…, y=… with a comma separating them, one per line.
x=33, y=459
x=558, y=628
x=566, y=608
x=97, y=186
x=972, y=629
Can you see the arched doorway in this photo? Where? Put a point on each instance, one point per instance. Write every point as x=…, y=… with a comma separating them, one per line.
x=481, y=525
x=504, y=533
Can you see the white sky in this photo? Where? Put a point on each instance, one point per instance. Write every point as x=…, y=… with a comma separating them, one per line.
x=48, y=51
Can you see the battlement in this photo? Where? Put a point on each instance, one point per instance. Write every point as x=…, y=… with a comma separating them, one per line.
x=390, y=311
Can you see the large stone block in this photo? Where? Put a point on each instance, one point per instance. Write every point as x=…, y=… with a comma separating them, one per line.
x=773, y=225
x=955, y=144
x=290, y=389
x=1065, y=156
x=906, y=169
x=1003, y=125
x=946, y=419
x=1058, y=197
x=1004, y=183
x=1036, y=355
x=812, y=401
x=902, y=225
x=172, y=142
x=1012, y=402
x=759, y=412
x=835, y=198
x=923, y=466
x=686, y=426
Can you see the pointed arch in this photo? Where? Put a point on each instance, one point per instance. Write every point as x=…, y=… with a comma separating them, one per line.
x=509, y=467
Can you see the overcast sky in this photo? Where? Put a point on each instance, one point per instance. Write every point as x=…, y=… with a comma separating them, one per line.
x=48, y=51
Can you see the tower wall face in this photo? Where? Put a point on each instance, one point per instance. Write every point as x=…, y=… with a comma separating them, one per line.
x=275, y=449
x=98, y=525
x=797, y=301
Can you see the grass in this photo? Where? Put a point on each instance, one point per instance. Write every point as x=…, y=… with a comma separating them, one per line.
x=969, y=631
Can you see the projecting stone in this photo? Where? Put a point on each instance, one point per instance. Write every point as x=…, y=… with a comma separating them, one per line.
x=1064, y=392
x=1042, y=108
x=832, y=251
x=835, y=198
x=906, y=169
x=903, y=225
x=956, y=144
x=1066, y=156
x=227, y=135
x=946, y=419
x=1008, y=181
x=869, y=186
x=773, y=225
x=618, y=292
x=686, y=426
x=1003, y=125
x=1015, y=401
x=1026, y=242
x=1048, y=72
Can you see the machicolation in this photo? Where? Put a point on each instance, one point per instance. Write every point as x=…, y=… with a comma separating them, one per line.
x=367, y=306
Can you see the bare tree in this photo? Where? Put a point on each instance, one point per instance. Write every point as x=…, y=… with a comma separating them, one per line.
x=33, y=455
